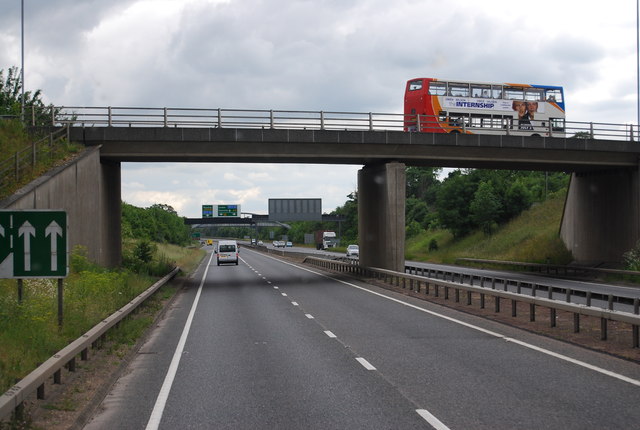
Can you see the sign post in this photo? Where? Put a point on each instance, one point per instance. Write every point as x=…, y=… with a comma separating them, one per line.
x=34, y=244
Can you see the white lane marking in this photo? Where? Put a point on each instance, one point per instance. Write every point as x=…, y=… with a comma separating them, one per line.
x=163, y=395
x=275, y=288
x=550, y=353
x=365, y=363
x=269, y=282
x=284, y=294
x=309, y=316
x=435, y=423
x=294, y=303
x=330, y=334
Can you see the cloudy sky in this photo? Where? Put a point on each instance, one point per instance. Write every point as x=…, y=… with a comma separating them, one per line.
x=331, y=55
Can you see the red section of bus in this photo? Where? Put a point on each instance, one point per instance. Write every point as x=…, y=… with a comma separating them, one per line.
x=421, y=107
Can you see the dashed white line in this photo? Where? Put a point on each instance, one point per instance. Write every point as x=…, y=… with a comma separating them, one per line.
x=284, y=294
x=309, y=316
x=545, y=351
x=276, y=288
x=294, y=303
x=435, y=423
x=365, y=363
x=330, y=334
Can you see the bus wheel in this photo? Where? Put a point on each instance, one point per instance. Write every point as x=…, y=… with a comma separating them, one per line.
x=535, y=135
x=454, y=132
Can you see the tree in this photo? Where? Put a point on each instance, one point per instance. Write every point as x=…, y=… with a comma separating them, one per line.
x=422, y=183
x=11, y=100
x=453, y=203
x=485, y=207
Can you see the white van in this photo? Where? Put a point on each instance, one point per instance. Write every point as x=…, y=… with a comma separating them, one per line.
x=227, y=252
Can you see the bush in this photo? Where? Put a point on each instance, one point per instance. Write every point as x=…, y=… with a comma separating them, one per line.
x=632, y=258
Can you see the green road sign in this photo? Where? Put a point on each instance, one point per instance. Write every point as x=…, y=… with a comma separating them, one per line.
x=228, y=210
x=33, y=244
x=207, y=211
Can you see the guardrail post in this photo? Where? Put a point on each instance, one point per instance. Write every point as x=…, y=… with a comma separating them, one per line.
x=271, y=121
x=568, y=298
x=419, y=127
x=552, y=317
x=40, y=392
x=610, y=299
x=603, y=329
x=591, y=130
x=321, y=120
x=497, y=303
x=532, y=312
x=219, y=118
x=481, y=300
x=469, y=297
x=576, y=322
x=166, y=121
x=370, y=122
x=446, y=293
x=109, y=121
x=514, y=308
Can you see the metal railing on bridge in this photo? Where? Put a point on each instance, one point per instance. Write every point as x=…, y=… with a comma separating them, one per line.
x=111, y=116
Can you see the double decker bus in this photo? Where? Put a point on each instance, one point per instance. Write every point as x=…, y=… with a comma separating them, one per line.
x=438, y=106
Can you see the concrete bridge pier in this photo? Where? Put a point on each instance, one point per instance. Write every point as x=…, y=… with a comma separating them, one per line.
x=381, y=215
x=601, y=219
x=111, y=196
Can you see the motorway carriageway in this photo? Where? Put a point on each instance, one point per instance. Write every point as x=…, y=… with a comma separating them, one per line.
x=271, y=344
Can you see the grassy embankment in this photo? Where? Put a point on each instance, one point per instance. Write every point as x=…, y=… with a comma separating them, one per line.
x=531, y=237
x=29, y=333
x=13, y=138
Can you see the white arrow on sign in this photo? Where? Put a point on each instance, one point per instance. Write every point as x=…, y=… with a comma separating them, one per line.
x=27, y=230
x=53, y=230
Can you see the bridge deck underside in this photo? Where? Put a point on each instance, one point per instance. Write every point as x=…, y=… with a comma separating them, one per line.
x=357, y=147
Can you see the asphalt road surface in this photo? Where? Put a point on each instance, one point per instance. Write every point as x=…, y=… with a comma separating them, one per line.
x=272, y=345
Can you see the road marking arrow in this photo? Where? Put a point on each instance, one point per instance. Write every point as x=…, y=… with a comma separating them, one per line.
x=53, y=230
x=27, y=230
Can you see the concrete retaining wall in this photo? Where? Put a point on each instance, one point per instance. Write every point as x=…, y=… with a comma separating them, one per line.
x=89, y=191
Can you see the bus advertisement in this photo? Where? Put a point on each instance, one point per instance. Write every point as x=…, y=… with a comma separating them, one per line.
x=437, y=106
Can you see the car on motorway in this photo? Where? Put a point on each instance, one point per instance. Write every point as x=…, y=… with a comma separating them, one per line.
x=353, y=251
x=227, y=252
x=289, y=244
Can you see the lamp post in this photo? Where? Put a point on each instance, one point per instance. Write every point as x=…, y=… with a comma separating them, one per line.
x=22, y=59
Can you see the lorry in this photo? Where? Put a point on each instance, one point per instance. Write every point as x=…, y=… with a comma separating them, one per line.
x=325, y=239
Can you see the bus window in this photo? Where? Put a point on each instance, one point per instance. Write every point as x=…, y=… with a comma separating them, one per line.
x=533, y=94
x=458, y=90
x=415, y=85
x=496, y=91
x=437, y=88
x=557, y=124
x=553, y=95
x=458, y=119
x=512, y=93
x=483, y=91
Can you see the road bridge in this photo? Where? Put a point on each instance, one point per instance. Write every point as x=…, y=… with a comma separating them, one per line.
x=602, y=212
